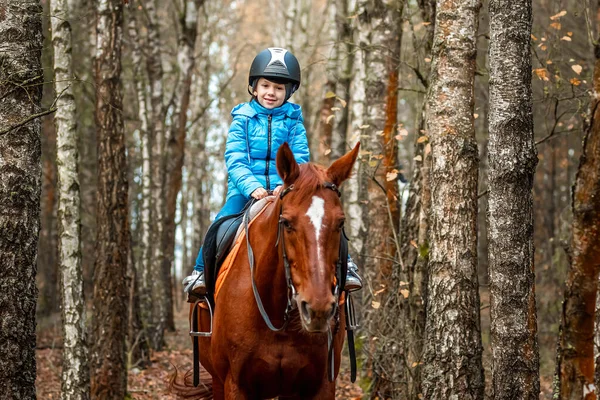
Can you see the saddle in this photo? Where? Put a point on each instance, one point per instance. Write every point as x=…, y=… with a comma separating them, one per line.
x=219, y=239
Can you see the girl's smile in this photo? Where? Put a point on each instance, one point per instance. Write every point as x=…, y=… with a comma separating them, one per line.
x=269, y=94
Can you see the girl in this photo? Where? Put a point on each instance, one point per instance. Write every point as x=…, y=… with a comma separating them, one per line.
x=258, y=129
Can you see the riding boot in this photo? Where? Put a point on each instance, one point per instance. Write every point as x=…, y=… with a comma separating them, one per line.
x=194, y=283
x=353, y=279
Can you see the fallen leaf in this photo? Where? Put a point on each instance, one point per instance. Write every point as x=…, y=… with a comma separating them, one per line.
x=575, y=81
x=379, y=291
x=577, y=68
x=556, y=25
x=427, y=60
x=566, y=38
x=475, y=116
x=414, y=244
x=375, y=305
x=570, y=33
x=418, y=158
x=534, y=38
x=328, y=121
x=343, y=102
x=390, y=176
x=364, y=126
x=541, y=73
x=330, y=95
x=327, y=152
x=404, y=293
x=335, y=109
x=557, y=16
x=422, y=139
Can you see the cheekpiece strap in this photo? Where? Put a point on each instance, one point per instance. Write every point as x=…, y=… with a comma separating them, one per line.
x=333, y=187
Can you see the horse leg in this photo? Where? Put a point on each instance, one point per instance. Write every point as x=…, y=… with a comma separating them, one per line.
x=218, y=390
x=233, y=391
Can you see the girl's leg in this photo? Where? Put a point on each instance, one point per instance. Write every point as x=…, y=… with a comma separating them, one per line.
x=232, y=206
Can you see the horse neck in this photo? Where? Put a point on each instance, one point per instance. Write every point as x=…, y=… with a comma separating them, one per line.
x=269, y=269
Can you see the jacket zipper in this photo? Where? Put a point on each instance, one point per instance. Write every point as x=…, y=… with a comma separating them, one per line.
x=268, y=154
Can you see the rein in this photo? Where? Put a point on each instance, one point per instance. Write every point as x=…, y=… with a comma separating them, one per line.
x=291, y=298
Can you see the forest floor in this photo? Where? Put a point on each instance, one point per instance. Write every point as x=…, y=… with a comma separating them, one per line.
x=146, y=384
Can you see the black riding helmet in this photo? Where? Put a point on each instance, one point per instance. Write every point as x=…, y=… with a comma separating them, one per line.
x=277, y=65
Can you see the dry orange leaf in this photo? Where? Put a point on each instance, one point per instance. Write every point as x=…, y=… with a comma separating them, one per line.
x=577, y=68
x=566, y=38
x=541, y=73
x=557, y=16
x=556, y=25
x=575, y=81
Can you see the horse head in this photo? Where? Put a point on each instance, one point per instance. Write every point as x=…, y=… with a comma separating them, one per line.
x=311, y=223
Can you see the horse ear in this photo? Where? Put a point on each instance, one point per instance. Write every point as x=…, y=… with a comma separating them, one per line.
x=341, y=168
x=286, y=165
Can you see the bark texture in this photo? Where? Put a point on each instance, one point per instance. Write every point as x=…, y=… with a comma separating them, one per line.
x=575, y=364
x=512, y=162
x=75, y=371
x=20, y=189
x=453, y=366
x=109, y=323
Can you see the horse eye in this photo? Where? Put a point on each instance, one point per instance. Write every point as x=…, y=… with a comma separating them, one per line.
x=341, y=224
x=286, y=224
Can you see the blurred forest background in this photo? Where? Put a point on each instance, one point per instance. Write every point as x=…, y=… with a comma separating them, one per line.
x=191, y=58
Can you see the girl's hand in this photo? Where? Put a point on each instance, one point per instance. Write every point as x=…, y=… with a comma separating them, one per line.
x=259, y=193
x=277, y=190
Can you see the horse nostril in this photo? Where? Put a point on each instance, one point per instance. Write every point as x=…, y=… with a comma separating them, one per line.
x=304, y=310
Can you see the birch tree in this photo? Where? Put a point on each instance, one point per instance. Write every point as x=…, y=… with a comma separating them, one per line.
x=110, y=313
x=75, y=372
x=175, y=150
x=21, y=80
x=453, y=366
x=512, y=161
x=575, y=353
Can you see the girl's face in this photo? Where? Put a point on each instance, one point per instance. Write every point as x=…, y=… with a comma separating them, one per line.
x=269, y=94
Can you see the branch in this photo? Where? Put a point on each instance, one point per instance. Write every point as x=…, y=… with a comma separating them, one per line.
x=28, y=119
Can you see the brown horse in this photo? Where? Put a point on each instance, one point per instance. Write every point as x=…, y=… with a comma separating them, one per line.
x=299, y=231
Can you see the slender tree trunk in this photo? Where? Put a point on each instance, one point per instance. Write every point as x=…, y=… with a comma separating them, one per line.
x=512, y=161
x=345, y=62
x=160, y=288
x=575, y=354
x=453, y=366
x=382, y=20
x=141, y=287
x=110, y=313
x=176, y=143
x=327, y=116
x=21, y=80
x=75, y=371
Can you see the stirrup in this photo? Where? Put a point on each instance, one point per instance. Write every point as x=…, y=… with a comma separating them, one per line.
x=195, y=329
x=351, y=323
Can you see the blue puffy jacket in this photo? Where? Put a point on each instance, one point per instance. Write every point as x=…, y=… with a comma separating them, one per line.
x=252, y=143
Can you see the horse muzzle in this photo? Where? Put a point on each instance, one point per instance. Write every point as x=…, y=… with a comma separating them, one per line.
x=316, y=315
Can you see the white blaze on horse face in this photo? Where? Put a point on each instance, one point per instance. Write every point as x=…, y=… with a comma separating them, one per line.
x=316, y=212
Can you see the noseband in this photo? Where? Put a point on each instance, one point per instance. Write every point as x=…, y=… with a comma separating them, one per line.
x=292, y=293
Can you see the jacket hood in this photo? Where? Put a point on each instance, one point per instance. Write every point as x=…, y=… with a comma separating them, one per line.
x=253, y=108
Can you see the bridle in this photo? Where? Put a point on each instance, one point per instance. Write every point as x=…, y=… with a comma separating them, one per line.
x=291, y=289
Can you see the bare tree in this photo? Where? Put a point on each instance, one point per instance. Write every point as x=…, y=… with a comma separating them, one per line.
x=110, y=313
x=453, y=366
x=512, y=161
x=20, y=169
x=75, y=371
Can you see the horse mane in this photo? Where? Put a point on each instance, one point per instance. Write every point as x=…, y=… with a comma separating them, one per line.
x=312, y=177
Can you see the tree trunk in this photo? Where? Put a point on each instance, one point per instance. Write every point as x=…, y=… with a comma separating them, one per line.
x=21, y=80
x=75, y=371
x=141, y=288
x=176, y=143
x=345, y=56
x=159, y=287
x=575, y=354
x=110, y=313
x=512, y=161
x=382, y=21
x=453, y=366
